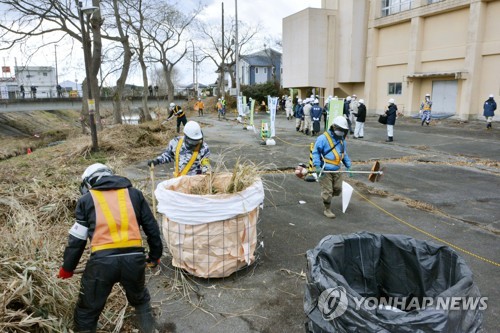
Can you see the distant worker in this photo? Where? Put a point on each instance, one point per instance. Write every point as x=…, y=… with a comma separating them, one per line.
x=316, y=113
x=199, y=106
x=176, y=110
x=111, y=213
x=328, y=153
x=489, y=108
x=33, y=92
x=221, y=110
x=59, y=91
x=353, y=109
x=391, y=114
x=359, y=129
x=22, y=90
x=189, y=152
x=150, y=89
x=347, y=112
x=156, y=88
x=307, y=116
x=425, y=110
x=289, y=108
x=299, y=114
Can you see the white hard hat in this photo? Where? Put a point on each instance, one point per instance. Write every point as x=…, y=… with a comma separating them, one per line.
x=491, y=96
x=391, y=101
x=354, y=96
x=427, y=95
x=348, y=98
x=193, y=130
x=172, y=105
x=330, y=97
x=341, y=122
x=361, y=101
x=316, y=101
x=96, y=170
x=299, y=100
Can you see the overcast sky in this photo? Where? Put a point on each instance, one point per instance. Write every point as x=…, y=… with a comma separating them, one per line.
x=268, y=13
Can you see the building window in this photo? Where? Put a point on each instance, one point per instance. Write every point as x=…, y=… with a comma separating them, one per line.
x=395, y=88
x=44, y=74
x=433, y=1
x=265, y=70
x=256, y=70
x=395, y=6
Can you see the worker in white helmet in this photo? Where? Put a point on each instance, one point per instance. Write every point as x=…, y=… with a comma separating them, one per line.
x=189, y=152
x=328, y=154
x=176, y=110
x=425, y=110
x=391, y=114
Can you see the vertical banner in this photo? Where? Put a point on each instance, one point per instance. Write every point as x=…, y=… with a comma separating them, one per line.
x=239, y=106
x=336, y=108
x=291, y=93
x=273, y=102
x=252, y=105
x=4, y=93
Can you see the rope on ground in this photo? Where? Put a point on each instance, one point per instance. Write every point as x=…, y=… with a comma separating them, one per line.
x=428, y=233
x=291, y=144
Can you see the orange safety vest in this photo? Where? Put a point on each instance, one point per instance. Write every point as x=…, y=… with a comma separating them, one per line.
x=338, y=158
x=188, y=166
x=116, y=223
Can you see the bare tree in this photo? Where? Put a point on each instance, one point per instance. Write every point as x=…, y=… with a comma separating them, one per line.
x=49, y=18
x=213, y=50
x=165, y=30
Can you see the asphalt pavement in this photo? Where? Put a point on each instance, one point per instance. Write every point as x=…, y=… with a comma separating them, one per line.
x=440, y=184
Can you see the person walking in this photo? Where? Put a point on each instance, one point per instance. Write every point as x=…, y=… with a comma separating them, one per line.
x=328, y=153
x=110, y=214
x=489, y=108
x=199, y=105
x=359, y=129
x=391, y=114
x=176, y=110
x=22, y=91
x=425, y=110
x=189, y=152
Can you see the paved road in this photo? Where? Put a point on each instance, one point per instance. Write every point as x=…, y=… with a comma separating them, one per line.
x=441, y=184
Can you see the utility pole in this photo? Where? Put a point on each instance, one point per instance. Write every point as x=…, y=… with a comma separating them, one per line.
x=223, y=57
x=237, y=51
x=55, y=54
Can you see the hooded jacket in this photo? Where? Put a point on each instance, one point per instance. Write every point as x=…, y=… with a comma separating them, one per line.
x=391, y=114
x=86, y=219
x=489, y=107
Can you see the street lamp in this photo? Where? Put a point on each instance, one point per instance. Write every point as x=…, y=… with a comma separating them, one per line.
x=88, y=11
x=195, y=85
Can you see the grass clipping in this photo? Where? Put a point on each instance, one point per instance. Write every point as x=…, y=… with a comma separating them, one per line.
x=243, y=175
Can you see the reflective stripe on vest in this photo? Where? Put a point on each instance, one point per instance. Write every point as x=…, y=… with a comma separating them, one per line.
x=188, y=166
x=427, y=106
x=116, y=223
x=338, y=159
x=178, y=114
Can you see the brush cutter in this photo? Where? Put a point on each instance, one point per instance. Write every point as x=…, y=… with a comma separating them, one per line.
x=310, y=176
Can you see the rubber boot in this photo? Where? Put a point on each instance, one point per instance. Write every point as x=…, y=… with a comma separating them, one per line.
x=327, y=212
x=488, y=126
x=389, y=139
x=144, y=318
x=423, y=121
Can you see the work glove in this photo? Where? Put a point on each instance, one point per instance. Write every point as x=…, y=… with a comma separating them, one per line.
x=152, y=263
x=64, y=274
x=318, y=172
x=153, y=162
x=350, y=173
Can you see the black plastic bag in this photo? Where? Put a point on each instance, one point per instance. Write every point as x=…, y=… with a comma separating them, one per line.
x=345, y=269
x=382, y=119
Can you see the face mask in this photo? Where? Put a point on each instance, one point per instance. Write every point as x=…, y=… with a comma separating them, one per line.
x=339, y=133
x=190, y=143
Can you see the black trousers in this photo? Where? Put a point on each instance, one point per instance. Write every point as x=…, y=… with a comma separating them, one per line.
x=99, y=277
x=180, y=120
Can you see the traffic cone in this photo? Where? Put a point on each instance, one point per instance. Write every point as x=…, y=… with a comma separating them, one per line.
x=29, y=150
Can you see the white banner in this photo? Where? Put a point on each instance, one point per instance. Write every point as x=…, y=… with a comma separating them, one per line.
x=272, y=102
x=4, y=93
x=240, y=105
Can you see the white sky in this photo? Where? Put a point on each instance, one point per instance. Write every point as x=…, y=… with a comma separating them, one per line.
x=268, y=13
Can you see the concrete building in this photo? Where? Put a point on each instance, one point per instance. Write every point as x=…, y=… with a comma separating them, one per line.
x=41, y=77
x=401, y=49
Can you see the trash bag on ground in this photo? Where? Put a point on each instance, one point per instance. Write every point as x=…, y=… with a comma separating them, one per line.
x=365, y=282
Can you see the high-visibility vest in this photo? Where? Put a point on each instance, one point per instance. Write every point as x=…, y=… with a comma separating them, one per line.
x=178, y=111
x=116, y=223
x=427, y=106
x=338, y=158
x=189, y=164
